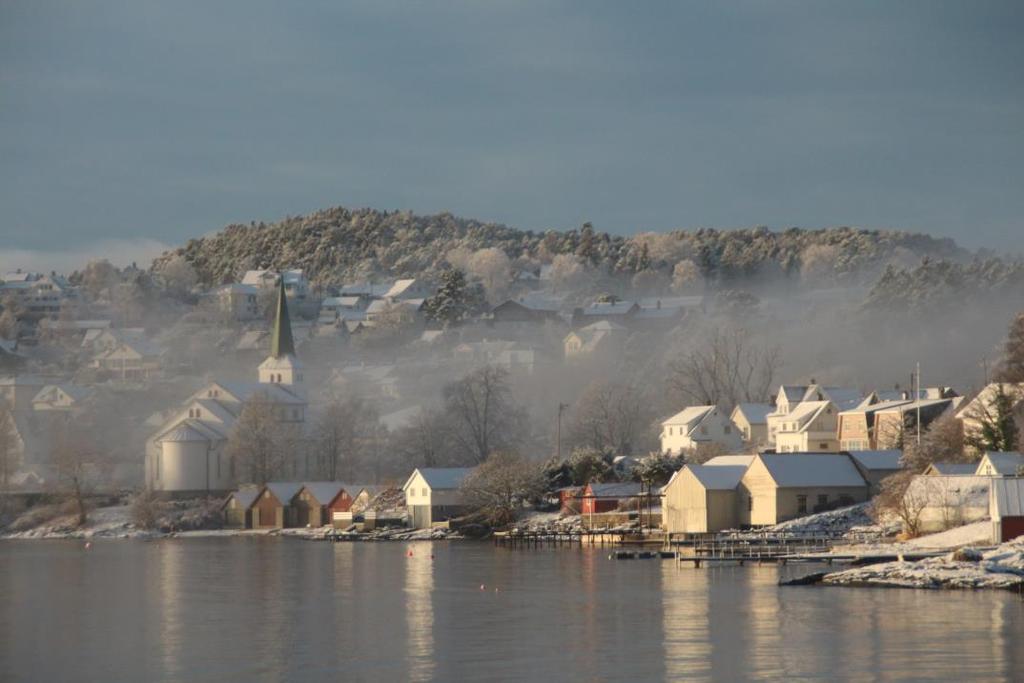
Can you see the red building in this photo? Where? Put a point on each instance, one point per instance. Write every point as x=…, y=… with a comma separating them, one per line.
x=597, y=498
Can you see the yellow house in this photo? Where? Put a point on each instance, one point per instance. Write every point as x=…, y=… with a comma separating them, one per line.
x=779, y=487
x=752, y=421
x=810, y=427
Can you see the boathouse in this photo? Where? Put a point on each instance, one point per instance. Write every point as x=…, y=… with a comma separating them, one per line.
x=432, y=495
x=779, y=487
x=1006, y=505
x=273, y=507
x=701, y=499
x=316, y=502
x=237, y=508
x=598, y=498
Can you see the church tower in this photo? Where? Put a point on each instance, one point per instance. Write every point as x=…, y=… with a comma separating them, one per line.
x=282, y=366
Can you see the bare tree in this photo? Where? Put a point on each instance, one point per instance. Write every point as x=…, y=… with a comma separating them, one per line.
x=498, y=488
x=425, y=441
x=78, y=462
x=261, y=444
x=483, y=416
x=725, y=370
x=8, y=446
x=341, y=437
x=611, y=416
x=493, y=267
x=900, y=496
x=942, y=441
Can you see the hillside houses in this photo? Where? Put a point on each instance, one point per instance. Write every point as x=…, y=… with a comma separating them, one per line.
x=602, y=338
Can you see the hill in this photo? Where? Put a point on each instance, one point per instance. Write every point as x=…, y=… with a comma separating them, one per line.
x=342, y=244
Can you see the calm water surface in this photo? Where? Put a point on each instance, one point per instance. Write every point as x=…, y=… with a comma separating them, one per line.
x=273, y=609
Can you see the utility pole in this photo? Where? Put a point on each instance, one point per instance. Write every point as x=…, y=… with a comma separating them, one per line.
x=917, y=400
x=558, y=430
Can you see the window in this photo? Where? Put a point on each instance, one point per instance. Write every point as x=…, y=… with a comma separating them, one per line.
x=670, y=431
x=823, y=445
x=728, y=429
x=822, y=500
x=424, y=493
x=801, y=505
x=750, y=503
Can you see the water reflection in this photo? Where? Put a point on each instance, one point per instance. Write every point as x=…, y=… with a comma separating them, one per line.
x=419, y=614
x=171, y=558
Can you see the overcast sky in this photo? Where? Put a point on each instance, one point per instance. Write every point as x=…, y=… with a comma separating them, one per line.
x=151, y=121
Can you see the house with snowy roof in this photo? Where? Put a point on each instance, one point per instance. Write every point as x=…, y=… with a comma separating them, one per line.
x=617, y=311
x=1000, y=464
x=61, y=397
x=187, y=453
x=895, y=422
x=790, y=397
x=939, y=469
x=809, y=427
x=697, y=426
x=273, y=507
x=876, y=465
x=408, y=289
x=701, y=499
x=239, y=302
x=432, y=495
x=131, y=360
x=752, y=421
x=779, y=487
x=237, y=507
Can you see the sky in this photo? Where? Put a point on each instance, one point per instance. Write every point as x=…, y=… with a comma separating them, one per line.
x=127, y=126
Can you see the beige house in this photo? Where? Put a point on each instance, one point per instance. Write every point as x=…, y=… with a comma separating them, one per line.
x=62, y=397
x=779, y=487
x=856, y=431
x=701, y=499
x=752, y=421
x=698, y=426
x=810, y=427
x=982, y=408
x=942, y=502
x=132, y=360
x=239, y=302
x=893, y=424
x=432, y=495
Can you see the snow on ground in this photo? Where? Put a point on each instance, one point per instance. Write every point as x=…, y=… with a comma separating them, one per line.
x=976, y=533
x=1000, y=567
x=853, y=522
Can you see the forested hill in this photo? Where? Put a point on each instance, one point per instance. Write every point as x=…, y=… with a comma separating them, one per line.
x=341, y=244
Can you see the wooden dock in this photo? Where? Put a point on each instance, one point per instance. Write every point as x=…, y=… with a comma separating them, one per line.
x=531, y=539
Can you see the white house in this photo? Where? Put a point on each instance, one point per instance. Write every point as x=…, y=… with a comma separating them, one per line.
x=752, y=421
x=699, y=426
x=187, y=454
x=432, y=495
x=791, y=396
x=238, y=301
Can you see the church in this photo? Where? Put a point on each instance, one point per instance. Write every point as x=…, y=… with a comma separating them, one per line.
x=187, y=454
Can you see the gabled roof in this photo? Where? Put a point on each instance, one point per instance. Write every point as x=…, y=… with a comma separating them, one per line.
x=1005, y=463
x=610, y=308
x=183, y=433
x=621, y=489
x=245, y=496
x=730, y=460
x=281, y=343
x=717, y=477
x=400, y=287
x=804, y=414
x=755, y=413
x=1007, y=498
x=795, y=470
x=794, y=393
x=877, y=460
x=689, y=417
x=441, y=478
x=326, y=491
x=952, y=468
x=284, y=491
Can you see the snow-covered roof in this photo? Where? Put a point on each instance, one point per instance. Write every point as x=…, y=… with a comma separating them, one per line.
x=1004, y=463
x=951, y=468
x=326, y=491
x=1007, y=498
x=609, y=308
x=718, y=477
x=619, y=489
x=794, y=470
x=755, y=413
x=730, y=460
x=793, y=393
x=245, y=496
x=284, y=491
x=440, y=478
x=804, y=413
x=602, y=326
x=689, y=417
x=183, y=433
x=400, y=287
x=843, y=398
x=877, y=460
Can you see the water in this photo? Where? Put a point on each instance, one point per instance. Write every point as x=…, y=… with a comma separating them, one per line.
x=273, y=609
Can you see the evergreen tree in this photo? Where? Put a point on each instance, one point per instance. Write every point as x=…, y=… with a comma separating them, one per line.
x=455, y=299
x=997, y=428
x=1011, y=369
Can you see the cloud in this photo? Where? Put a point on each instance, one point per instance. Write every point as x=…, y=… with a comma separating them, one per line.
x=118, y=252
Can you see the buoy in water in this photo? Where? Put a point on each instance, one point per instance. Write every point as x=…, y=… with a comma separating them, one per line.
x=88, y=545
x=483, y=587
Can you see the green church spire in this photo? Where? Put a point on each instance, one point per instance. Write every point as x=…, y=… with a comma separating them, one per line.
x=281, y=343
